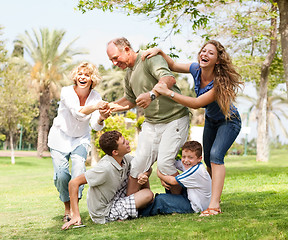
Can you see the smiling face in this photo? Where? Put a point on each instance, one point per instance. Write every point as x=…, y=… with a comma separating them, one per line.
x=189, y=158
x=119, y=57
x=208, y=56
x=83, y=78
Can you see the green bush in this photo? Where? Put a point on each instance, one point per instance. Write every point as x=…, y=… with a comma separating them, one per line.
x=131, y=115
x=118, y=123
x=140, y=122
x=2, y=137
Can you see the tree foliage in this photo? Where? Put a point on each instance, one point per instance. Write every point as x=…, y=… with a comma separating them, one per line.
x=111, y=86
x=3, y=50
x=170, y=15
x=16, y=103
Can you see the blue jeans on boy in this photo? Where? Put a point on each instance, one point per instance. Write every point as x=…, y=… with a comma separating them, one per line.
x=166, y=203
x=62, y=175
x=218, y=136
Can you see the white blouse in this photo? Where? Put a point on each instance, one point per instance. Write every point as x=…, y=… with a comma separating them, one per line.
x=71, y=128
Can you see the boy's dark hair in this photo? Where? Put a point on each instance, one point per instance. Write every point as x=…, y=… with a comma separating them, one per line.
x=108, y=141
x=193, y=146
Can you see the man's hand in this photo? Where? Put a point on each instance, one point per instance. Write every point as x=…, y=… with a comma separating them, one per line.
x=142, y=178
x=74, y=221
x=143, y=100
x=115, y=107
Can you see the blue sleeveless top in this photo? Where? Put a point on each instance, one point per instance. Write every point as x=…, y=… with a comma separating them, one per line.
x=212, y=110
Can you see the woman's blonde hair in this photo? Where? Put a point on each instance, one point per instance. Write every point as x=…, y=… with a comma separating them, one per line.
x=95, y=76
x=227, y=80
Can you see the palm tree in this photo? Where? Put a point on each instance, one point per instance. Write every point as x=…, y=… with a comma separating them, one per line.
x=49, y=65
x=277, y=106
x=112, y=85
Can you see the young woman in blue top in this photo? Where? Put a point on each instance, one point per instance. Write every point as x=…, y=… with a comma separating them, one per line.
x=216, y=85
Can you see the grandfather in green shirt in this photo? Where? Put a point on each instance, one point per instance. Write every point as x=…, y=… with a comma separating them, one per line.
x=166, y=124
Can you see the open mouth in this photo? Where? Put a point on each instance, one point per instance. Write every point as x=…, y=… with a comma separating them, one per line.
x=204, y=60
x=82, y=82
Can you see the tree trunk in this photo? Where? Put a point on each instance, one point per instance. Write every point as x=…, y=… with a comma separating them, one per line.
x=262, y=118
x=283, y=29
x=262, y=122
x=12, y=148
x=43, y=126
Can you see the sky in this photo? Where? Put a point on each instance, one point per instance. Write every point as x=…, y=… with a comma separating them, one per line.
x=94, y=29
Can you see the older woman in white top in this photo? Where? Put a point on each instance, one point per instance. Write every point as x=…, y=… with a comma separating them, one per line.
x=81, y=108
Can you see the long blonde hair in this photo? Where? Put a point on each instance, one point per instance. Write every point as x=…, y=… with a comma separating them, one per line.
x=227, y=81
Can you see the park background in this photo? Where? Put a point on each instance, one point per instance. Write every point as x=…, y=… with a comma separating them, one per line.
x=244, y=27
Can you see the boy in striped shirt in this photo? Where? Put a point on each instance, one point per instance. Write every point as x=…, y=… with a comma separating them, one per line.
x=194, y=178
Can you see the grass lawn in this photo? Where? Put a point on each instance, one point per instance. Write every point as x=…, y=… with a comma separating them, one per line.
x=254, y=205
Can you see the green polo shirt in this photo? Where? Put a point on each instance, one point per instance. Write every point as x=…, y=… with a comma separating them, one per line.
x=142, y=78
x=104, y=181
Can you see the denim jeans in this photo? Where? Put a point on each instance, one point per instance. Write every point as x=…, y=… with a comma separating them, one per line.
x=166, y=203
x=218, y=136
x=62, y=175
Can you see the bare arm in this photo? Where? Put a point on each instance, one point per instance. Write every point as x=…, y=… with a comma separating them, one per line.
x=167, y=179
x=91, y=108
x=176, y=67
x=123, y=104
x=73, y=192
x=190, y=102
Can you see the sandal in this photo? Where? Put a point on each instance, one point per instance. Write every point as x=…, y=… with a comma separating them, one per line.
x=66, y=218
x=210, y=212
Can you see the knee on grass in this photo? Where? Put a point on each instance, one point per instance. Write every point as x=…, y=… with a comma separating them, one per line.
x=143, y=197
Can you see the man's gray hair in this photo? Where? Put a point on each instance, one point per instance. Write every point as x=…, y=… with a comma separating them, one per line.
x=121, y=43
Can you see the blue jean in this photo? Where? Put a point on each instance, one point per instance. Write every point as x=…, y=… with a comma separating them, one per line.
x=166, y=203
x=62, y=175
x=218, y=136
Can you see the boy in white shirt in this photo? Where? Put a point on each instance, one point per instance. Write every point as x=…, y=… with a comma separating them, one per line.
x=194, y=178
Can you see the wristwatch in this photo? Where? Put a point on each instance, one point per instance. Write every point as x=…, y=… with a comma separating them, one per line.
x=172, y=94
x=152, y=95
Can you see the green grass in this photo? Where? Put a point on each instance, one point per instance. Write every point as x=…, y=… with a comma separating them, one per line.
x=254, y=205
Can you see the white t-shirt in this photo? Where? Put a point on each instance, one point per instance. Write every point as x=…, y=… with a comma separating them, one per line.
x=71, y=128
x=198, y=183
